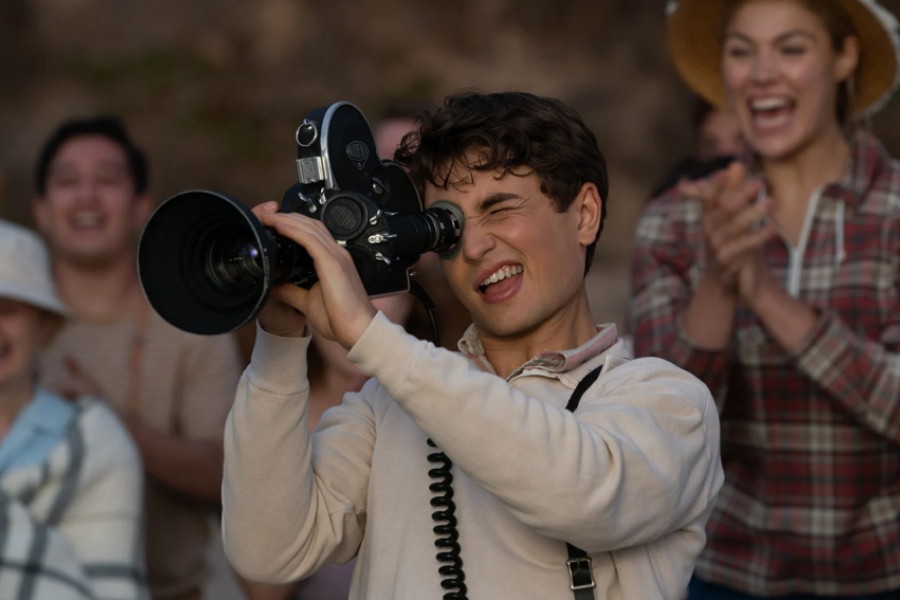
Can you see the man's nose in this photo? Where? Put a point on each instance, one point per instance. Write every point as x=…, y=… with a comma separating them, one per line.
x=476, y=241
x=87, y=189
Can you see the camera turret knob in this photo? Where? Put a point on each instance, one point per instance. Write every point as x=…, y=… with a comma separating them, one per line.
x=307, y=134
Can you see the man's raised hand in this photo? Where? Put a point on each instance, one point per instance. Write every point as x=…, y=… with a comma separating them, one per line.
x=338, y=306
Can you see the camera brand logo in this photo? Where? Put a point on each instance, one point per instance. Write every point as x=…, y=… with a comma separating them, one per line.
x=358, y=153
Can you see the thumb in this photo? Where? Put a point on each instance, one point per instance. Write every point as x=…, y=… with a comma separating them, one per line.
x=292, y=295
x=735, y=174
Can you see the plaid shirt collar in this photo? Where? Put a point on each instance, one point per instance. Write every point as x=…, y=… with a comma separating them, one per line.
x=868, y=158
x=555, y=362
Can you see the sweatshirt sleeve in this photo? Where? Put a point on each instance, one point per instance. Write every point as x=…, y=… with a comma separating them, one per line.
x=646, y=434
x=292, y=501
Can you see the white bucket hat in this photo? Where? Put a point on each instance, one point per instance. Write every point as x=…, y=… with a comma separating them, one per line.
x=695, y=47
x=25, y=269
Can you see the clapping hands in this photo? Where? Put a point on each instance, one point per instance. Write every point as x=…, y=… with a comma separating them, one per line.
x=737, y=226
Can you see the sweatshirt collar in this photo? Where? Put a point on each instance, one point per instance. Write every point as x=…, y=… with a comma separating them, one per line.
x=548, y=361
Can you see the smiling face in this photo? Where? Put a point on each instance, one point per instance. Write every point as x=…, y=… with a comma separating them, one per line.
x=90, y=213
x=24, y=329
x=782, y=73
x=521, y=265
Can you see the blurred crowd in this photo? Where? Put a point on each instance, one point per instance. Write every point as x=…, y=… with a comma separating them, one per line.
x=767, y=264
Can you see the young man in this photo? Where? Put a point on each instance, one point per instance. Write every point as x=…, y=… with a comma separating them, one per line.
x=171, y=389
x=629, y=478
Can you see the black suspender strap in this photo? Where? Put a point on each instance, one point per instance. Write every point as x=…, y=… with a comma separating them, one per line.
x=581, y=574
x=582, y=387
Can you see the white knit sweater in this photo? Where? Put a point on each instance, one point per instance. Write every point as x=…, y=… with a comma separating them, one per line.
x=70, y=528
x=630, y=477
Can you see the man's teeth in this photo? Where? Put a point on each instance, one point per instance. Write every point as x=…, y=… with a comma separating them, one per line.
x=502, y=274
x=87, y=220
x=769, y=104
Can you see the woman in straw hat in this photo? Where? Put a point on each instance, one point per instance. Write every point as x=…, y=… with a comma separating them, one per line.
x=776, y=282
x=70, y=478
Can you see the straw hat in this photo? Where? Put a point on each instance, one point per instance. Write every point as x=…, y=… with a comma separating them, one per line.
x=695, y=46
x=25, y=269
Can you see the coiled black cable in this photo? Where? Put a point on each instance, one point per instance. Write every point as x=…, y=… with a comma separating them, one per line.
x=451, y=568
x=445, y=517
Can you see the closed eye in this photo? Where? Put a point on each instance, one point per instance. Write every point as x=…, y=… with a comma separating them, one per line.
x=737, y=52
x=794, y=50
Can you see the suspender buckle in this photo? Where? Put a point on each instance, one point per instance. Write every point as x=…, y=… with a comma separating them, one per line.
x=581, y=574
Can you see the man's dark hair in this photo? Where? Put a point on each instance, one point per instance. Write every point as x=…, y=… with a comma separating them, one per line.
x=508, y=131
x=106, y=126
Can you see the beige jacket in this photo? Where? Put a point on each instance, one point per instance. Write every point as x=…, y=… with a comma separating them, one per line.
x=631, y=477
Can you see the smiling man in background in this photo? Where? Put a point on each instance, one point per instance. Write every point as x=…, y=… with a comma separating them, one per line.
x=172, y=389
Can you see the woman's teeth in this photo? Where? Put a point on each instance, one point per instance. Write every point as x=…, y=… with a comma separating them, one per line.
x=769, y=104
x=771, y=112
x=502, y=274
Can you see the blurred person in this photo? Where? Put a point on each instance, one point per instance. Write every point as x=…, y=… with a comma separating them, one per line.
x=718, y=140
x=172, y=390
x=776, y=282
x=628, y=476
x=718, y=132
x=70, y=477
x=395, y=122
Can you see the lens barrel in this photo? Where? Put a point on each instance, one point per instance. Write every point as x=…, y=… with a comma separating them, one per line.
x=437, y=229
x=206, y=263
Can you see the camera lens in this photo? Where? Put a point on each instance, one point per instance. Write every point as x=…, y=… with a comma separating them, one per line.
x=206, y=263
x=233, y=262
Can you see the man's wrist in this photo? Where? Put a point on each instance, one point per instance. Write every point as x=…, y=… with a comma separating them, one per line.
x=300, y=332
x=359, y=326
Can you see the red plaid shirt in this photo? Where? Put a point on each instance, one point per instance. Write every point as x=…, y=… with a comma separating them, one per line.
x=810, y=436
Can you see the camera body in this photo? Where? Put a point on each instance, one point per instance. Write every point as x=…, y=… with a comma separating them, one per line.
x=343, y=183
x=207, y=265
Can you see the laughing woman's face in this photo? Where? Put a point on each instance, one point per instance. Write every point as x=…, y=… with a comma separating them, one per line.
x=782, y=75
x=23, y=331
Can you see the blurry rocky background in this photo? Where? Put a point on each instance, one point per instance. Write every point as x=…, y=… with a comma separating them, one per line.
x=214, y=89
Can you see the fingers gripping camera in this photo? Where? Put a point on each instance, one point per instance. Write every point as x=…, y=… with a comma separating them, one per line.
x=207, y=265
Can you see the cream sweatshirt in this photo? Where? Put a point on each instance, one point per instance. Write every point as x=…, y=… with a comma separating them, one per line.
x=631, y=477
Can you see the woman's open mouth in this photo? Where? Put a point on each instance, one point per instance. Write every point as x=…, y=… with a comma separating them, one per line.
x=771, y=113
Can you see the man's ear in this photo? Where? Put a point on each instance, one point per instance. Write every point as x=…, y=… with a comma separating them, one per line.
x=40, y=210
x=143, y=208
x=589, y=206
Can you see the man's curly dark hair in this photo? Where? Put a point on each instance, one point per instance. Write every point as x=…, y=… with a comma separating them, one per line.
x=507, y=131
